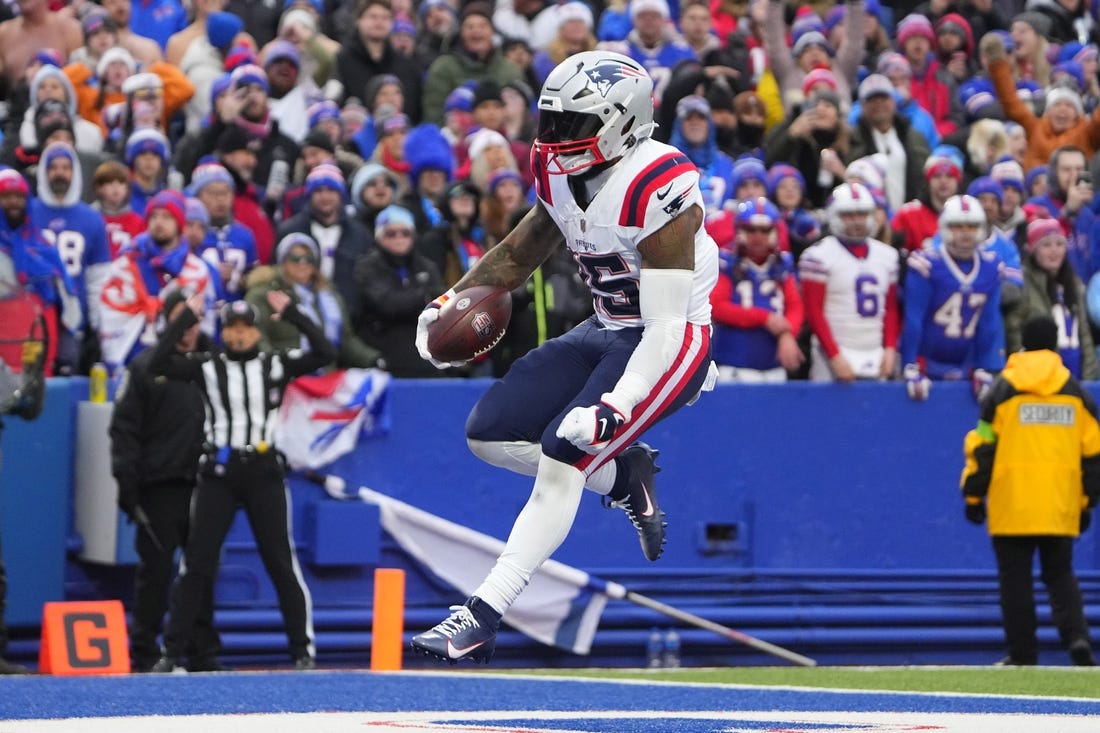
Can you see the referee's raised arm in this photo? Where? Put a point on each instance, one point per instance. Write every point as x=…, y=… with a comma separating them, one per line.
x=169, y=362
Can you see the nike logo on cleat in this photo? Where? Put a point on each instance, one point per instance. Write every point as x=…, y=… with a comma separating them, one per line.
x=454, y=652
x=648, y=504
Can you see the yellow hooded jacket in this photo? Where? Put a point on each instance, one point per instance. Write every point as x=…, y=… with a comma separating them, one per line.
x=1035, y=455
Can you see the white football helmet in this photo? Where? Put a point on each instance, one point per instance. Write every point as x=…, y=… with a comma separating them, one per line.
x=851, y=198
x=961, y=210
x=594, y=106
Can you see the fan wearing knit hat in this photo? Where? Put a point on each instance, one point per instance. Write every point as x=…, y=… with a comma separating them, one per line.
x=197, y=223
x=298, y=273
x=1052, y=287
x=147, y=155
x=341, y=239
x=664, y=47
x=160, y=259
x=101, y=87
x=882, y=130
x=811, y=49
x=1030, y=45
x=232, y=248
x=100, y=34
x=917, y=219
x=431, y=168
x=1063, y=121
x=1010, y=175
x=395, y=271
x=931, y=87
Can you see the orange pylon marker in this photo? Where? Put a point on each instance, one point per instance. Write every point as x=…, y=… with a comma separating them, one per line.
x=389, y=620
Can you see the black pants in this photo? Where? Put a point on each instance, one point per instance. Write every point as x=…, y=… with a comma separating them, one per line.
x=168, y=507
x=1015, y=555
x=258, y=485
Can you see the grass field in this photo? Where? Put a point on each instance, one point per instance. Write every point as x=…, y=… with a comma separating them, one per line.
x=1045, y=681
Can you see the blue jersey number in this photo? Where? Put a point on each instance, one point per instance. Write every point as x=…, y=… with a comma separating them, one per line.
x=614, y=288
x=867, y=296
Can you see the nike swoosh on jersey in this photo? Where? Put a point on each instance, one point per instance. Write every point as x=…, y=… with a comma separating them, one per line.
x=661, y=195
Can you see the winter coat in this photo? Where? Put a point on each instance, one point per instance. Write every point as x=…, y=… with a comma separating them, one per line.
x=354, y=243
x=916, y=151
x=395, y=291
x=1036, y=301
x=282, y=335
x=1041, y=138
x=454, y=69
x=355, y=67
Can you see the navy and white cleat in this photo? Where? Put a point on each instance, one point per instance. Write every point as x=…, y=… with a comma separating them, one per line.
x=462, y=635
x=640, y=503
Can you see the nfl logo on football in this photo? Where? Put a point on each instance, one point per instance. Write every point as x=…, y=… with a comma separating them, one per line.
x=483, y=325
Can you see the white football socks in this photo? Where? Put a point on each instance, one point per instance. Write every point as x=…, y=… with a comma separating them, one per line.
x=540, y=528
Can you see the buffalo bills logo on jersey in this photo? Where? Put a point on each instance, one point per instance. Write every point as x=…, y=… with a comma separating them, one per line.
x=483, y=325
x=609, y=73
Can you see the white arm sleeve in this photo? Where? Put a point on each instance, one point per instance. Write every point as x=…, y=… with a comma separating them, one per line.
x=664, y=296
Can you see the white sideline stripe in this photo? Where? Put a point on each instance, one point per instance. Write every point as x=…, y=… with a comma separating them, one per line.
x=483, y=722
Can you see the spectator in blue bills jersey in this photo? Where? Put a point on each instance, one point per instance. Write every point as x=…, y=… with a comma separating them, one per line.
x=756, y=306
x=230, y=247
x=953, y=328
x=80, y=236
x=653, y=42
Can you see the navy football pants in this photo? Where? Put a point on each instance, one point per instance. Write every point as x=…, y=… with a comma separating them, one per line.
x=574, y=370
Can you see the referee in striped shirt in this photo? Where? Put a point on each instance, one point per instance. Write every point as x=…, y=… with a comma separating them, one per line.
x=243, y=387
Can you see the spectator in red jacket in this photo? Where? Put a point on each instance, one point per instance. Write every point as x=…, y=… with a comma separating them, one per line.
x=112, y=199
x=932, y=85
x=918, y=220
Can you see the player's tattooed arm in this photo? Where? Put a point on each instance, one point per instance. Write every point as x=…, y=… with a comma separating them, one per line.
x=512, y=261
x=672, y=247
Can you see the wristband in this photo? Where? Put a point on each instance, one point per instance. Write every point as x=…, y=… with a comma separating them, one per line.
x=442, y=299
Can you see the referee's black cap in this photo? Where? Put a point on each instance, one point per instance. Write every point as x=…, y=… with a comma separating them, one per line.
x=239, y=310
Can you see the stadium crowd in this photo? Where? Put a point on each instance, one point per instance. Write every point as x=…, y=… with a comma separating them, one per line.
x=896, y=190
x=948, y=145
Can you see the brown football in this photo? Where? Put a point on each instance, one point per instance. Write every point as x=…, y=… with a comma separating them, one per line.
x=470, y=323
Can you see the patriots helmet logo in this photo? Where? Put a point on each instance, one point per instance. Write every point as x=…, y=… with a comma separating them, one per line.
x=608, y=73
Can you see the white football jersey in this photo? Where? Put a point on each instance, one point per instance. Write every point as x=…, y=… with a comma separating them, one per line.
x=648, y=188
x=855, y=289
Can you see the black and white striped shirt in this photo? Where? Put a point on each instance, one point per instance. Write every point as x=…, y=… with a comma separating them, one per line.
x=242, y=391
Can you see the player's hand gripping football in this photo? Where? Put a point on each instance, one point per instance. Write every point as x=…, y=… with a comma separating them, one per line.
x=428, y=316
x=589, y=428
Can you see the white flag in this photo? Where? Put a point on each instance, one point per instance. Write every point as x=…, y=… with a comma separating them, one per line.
x=561, y=606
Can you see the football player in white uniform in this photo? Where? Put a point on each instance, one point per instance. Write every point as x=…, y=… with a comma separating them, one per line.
x=571, y=411
x=849, y=288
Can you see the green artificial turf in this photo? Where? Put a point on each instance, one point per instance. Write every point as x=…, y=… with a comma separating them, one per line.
x=1045, y=681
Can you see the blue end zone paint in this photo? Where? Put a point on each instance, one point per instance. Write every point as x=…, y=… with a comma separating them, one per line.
x=29, y=698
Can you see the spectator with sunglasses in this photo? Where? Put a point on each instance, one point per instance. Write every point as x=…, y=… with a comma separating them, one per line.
x=298, y=274
x=341, y=239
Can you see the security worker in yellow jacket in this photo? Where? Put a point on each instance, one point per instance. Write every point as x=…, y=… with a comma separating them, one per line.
x=1034, y=459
